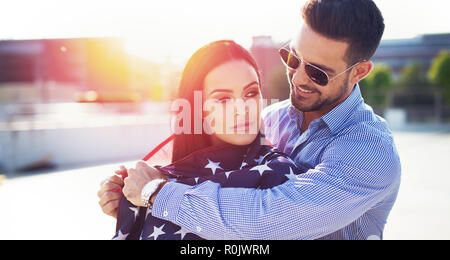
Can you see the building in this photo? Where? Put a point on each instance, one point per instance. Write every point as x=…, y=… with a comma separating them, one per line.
x=422, y=49
x=271, y=68
x=394, y=53
x=50, y=70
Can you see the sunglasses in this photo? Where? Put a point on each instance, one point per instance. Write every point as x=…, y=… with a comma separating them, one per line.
x=316, y=74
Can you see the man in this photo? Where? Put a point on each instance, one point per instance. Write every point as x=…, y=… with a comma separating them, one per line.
x=351, y=167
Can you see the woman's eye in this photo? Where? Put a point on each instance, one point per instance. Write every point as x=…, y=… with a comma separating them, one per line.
x=222, y=99
x=252, y=94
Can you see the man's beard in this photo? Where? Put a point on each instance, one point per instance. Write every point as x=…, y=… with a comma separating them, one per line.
x=322, y=102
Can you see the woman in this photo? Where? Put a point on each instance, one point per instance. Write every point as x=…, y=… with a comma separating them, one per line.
x=226, y=149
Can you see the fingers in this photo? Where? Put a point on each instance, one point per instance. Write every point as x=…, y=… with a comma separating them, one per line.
x=109, y=202
x=114, y=179
x=131, y=172
x=119, y=190
x=130, y=190
x=122, y=172
x=111, y=208
x=127, y=190
x=113, y=182
x=113, y=213
x=145, y=168
x=108, y=197
x=110, y=192
x=142, y=164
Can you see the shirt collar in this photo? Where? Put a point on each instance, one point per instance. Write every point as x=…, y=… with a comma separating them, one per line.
x=338, y=115
x=293, y=112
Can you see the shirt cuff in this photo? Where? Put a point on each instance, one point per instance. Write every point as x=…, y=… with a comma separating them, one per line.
x=168, y=201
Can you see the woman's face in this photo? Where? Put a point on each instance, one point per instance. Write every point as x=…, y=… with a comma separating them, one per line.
x=232, y=103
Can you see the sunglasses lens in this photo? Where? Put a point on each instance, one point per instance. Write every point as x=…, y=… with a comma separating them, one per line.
x=288, y=59
x=319, y=77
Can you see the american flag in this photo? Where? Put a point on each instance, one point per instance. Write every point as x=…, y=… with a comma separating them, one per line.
x=252, y=166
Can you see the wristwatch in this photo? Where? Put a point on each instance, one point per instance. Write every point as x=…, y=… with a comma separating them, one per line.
x=149, y=189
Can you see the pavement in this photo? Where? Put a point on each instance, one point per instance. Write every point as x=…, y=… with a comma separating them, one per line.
x=57, y=205
x=63, y=204
x=422, y=209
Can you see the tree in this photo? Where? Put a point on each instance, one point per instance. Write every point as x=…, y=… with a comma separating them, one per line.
x=413, y=75
x=440, y=75
x=413, y=87
x=376, y=87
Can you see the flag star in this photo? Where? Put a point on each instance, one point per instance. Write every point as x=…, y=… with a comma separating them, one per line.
x=157, y=232
x=120, y=236
x=261, y=168
x=291, y=175
x=135, y=210
x=182, y=232
x=243, y=165
x=228, y=173
x=213, y=166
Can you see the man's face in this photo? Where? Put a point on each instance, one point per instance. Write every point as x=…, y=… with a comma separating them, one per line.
x=326, y=54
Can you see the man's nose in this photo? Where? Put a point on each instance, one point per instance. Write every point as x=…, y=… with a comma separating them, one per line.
x=300, y=77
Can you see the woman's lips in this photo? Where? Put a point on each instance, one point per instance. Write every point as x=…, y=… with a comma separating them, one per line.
x=242, y=126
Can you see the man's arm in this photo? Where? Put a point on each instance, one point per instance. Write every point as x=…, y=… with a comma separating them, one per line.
x=325, y=199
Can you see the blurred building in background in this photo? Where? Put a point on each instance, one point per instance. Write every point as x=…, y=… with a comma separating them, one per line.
x=86, y=100
x=265, y=52
x=423, y=49
x=75, y=70
x=58, y=70
x=396, y=54
x=66, y=102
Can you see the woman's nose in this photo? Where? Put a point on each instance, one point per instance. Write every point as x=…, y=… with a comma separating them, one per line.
x=240, y=107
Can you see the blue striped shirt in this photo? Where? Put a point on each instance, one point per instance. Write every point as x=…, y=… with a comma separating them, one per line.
x=349, y=185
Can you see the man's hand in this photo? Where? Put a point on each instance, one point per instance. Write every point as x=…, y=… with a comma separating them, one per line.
x=110, y=192
x=136, y=180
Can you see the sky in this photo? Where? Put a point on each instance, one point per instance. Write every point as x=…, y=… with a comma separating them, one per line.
x=173, y=29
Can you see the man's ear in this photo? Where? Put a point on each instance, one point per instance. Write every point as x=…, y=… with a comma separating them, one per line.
x=361, y=71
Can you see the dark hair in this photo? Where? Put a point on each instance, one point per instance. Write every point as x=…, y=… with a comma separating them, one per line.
x=358, y=22
x=197, y=68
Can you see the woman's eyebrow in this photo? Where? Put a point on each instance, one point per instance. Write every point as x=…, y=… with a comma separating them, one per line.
x=250, y=84
x=229, y=90
x=322, y=67
x=220, y=90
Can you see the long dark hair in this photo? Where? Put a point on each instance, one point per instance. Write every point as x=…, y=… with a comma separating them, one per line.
x=197, y=68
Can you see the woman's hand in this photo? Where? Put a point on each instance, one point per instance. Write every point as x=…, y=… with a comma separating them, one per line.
x=136, y=180
x=110, y=192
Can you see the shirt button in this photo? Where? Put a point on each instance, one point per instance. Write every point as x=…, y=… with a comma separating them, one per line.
x=199, y=229
x=165, y=213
